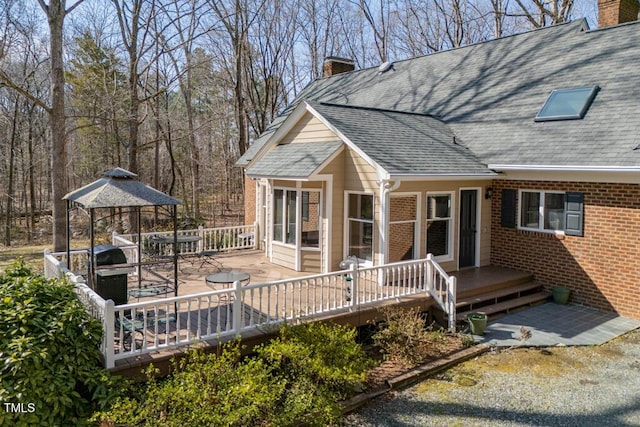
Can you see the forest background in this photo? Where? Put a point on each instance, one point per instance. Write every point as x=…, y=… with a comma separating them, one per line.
x=176, y=90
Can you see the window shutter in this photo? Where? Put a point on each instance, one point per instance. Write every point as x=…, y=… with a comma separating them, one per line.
x=508, y=211
x=574, y=214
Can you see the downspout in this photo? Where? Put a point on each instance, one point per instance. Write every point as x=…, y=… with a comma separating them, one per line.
x=386, y=187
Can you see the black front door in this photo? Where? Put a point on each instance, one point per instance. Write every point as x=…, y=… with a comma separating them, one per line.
x=468, y=228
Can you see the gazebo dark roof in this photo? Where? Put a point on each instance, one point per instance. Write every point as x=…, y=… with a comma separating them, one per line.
x=119, y=188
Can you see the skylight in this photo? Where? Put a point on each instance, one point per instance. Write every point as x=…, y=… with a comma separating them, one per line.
x=567, y=104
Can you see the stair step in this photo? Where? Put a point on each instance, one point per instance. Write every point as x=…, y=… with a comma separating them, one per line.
x=511, y=290
x=507, y=305
x=488, y=279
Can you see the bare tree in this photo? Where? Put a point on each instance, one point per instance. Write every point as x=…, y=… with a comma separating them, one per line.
x=237, y=16
x=379, y=21
x=541, y=13
x=56, y=11
x=186, y=23
x=134, y=22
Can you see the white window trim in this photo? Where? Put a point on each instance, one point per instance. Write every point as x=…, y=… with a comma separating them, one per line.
x=284, y=207
x=452, y=225
x=345, y=245
x=540, y=228
x=298, y=236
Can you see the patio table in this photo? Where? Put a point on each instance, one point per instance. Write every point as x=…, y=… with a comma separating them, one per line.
x=227, y=277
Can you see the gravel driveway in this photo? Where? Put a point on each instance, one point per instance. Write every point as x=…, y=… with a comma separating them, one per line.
x=559, y=386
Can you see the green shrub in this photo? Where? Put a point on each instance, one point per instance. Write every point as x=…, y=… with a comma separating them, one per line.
x=321, y=364
x=205, y=390
x=296, y=379
x=49, y=352
x=326, y=354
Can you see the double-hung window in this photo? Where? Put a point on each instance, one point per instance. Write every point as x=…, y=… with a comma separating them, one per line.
x=542, y=210
x=440, y=225
x=360, y=225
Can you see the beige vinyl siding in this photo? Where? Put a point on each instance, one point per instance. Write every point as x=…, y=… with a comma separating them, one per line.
x=309, y=129
x=337, y=170
x=310, y=261
x=359, y=175
x=283, y=255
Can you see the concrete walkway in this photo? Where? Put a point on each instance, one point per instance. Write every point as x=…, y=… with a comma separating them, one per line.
x=554, y=324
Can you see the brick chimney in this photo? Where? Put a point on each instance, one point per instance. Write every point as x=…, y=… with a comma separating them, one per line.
x=614, y=12
x=334, y=65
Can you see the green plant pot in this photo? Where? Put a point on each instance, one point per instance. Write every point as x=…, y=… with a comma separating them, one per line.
x=477, y=322
x=560, y=294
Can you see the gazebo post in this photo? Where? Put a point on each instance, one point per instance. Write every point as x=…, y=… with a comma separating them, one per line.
x=175, y=251
x=92, y=261
x=139, y=250
x=68, y=236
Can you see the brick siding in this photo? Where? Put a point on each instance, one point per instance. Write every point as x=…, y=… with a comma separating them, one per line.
x=614, y=12
x=401, y=236
x=601, y=268
x=249, y=200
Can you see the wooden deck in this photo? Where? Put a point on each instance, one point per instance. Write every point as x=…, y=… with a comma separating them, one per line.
x=472, y=285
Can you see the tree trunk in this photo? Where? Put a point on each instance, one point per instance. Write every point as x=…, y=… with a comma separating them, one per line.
x=239, y=38
x=32, y=190
x=10, y=184
x=56, y=14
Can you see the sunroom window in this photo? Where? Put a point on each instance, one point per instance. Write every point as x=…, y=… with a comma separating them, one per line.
x=286, y=221
x=310, y=219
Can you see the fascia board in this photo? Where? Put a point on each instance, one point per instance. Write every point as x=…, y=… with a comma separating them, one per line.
x=564, y=168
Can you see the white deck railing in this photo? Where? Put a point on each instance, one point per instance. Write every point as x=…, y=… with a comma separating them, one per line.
x=95, y=305
x=159, y=324
x=208, y=239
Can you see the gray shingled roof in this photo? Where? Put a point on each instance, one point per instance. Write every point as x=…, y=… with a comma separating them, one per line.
x=295, y=160
x=403, y=143
x=489, y=93
x=119, y=188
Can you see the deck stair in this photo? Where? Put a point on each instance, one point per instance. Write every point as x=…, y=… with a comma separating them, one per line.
x=500, y=295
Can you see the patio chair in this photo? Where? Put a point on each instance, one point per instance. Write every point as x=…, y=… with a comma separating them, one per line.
x=208, y=257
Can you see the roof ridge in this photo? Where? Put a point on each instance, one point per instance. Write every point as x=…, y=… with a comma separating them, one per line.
x=360, y=107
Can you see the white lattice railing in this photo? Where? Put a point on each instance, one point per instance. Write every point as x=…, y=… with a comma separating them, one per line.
x=149, y=326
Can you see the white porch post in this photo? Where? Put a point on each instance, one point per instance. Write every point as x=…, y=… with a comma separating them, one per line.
x=237, y=307
x=109, y=321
